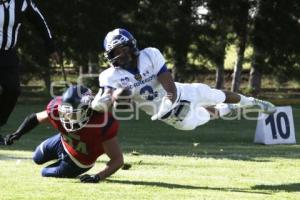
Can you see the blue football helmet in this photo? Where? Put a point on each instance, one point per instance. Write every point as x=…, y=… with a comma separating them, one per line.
x=119, y=38
x=75, y=111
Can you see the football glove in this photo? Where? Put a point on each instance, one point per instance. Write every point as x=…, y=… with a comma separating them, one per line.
x=101, y=102
x=86, y=178
x=87, y=100
x=9, y=139
x=165, y=107
x=29, y=123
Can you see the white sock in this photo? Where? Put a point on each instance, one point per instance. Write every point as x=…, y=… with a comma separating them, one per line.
x=246, y=101
x=223, y=109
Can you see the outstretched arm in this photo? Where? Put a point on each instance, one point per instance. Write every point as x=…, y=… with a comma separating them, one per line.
x=113, y=151
x=169, y=101
x=37, y=19
x=167, y=82
x=29, y=123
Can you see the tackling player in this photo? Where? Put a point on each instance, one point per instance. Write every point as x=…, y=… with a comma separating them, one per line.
x=83, y=136
x=144, y=74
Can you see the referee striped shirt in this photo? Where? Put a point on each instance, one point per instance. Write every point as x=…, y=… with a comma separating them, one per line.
x=12, y=13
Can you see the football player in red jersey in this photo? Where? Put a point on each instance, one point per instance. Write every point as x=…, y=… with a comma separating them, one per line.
x=83, y=136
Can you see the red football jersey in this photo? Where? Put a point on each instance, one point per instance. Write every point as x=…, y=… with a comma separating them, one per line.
x=85, y=145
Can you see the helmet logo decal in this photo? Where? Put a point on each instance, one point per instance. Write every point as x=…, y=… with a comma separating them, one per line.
x=116, y=40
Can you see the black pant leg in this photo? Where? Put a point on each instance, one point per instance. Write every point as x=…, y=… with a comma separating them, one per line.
x=10, y=84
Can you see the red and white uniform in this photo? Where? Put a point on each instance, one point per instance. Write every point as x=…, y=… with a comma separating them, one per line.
x=85, y=145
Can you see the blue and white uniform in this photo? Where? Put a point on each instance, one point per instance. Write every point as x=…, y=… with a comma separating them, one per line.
x=147, y=92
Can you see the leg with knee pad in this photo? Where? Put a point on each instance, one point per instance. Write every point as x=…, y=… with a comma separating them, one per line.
x=38, y=156
x=48, y=150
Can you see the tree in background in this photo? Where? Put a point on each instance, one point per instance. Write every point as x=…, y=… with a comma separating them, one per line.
x=217, y=37
x=177, y=29
x=170, y=26
x=241, y=20
x=275, y=41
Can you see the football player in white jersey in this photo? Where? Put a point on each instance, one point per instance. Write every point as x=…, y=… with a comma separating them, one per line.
x=144, y=75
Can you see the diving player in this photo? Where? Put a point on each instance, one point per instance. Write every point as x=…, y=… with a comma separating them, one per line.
x=144, y=75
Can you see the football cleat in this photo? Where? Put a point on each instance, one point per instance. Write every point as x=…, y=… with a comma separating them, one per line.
x=265, y=106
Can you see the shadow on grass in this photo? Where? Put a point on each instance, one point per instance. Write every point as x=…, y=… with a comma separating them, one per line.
x=292, y=187
x=178, y=186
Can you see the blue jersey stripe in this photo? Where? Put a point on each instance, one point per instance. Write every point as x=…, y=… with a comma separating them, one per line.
x=163, y=69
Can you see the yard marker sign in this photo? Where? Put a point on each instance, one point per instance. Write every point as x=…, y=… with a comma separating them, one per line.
x=277, y=128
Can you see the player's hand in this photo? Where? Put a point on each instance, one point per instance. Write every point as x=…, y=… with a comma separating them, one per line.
x=87, y=100
x=102, y=101
x=165, y=107
x=9, y=139
x=121, y=94
x=86, y=178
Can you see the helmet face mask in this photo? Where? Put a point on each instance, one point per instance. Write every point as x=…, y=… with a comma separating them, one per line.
x=120, y=56
x=75, y=112
x=120, y=48
x=73, y=119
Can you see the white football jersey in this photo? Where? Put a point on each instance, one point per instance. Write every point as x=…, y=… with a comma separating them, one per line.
x=147, y=92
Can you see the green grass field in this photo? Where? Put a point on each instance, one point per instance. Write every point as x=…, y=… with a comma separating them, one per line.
x=217, y=161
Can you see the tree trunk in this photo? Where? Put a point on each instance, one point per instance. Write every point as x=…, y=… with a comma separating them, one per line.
x=92, y=63
x=47, y=77
x=256, y=71
x=45, y=72
x=182, y=39
x=81, y=70
x=241, y=29
x=258, y=53
x=255, y=80
x=179, y=64
x=220, y=76
x=220, y=66
x=236, y=80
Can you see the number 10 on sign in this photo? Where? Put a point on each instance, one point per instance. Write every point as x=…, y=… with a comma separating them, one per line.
x=277, y=128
